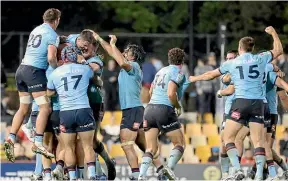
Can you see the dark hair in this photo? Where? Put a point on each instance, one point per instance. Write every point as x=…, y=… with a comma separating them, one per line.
x=88, y=36
x=247, y=44
x=232, y=51
x=176, y=56
x=137, y=51
x=51, y=15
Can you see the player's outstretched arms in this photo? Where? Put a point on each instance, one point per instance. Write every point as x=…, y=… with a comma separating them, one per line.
x=226, y=92
x=117, y=55
x=206, y=76
x=52, y=56
x=281, y=84
x=277, y=45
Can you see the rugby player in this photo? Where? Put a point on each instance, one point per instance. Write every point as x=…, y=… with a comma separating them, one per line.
x=224, y=160
x=162, y=111
x=71, y=82
x=247, y=72
x=31, y=79
x=129, y=80
x=88, y=45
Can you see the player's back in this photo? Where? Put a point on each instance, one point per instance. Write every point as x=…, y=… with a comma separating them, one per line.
x=161, y=81
x=37, y=46
x=248, y=72
x=71, y=83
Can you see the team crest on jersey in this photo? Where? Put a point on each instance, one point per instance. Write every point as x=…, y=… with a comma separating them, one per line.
x=136, y=125
x=62, y=128
x=235, y=115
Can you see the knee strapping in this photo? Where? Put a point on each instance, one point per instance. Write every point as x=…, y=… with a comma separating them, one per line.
x=42, y=100
x=26, y=99
x=127, y=143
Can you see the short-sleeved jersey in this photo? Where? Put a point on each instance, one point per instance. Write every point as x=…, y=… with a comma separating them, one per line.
x=271, y=92
x=247, y=72
x=228, y=100
x=72, y=39
x=71, y=83
x=130, y=84
x=54, y=100
x=269, y=68
x=184, y=87
x=160, y=84
x=37, y=47
x=98, y=61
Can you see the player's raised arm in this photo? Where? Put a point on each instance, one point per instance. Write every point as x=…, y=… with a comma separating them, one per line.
x=277, y=45
x=117, y=55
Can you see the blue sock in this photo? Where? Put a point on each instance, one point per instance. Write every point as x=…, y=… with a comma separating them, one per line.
x=99, y=170
x=38, y=166
x=146, y=161
x=38, y=138
x=271, y=168
x=47, y=172
x=71, y=172
x=175, y=156
x=12, y=137
x=91, y=169
x=260, y=162
x=232, y=152
x=80, y=172
x=225, y=163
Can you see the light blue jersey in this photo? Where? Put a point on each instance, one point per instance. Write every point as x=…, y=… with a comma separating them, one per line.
x=130, y=84
x=184, y=87
x=37, y=47
x=72, y=39
x=71, y=83
x=160, y=84
x=269, y=68
x=98, y=61
x=247, y=72
x=271, y=92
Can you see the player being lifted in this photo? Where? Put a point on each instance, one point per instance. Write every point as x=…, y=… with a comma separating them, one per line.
x=31, y=79
x=247, y=73
x=161, y=113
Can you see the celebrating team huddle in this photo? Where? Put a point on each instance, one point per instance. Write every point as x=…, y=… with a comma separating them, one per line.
x=61, y=77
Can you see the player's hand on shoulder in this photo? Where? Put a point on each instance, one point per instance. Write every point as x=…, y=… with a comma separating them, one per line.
x=270, y=30
x=113, y=39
